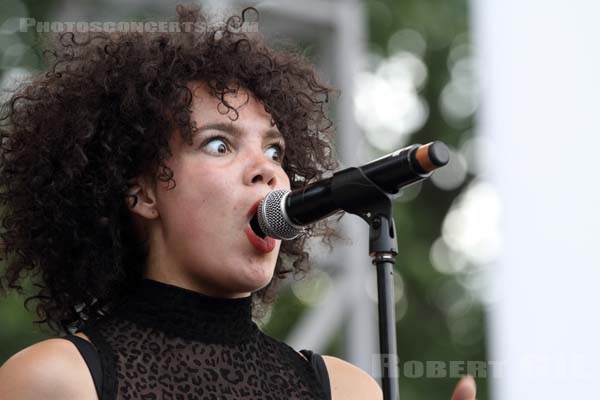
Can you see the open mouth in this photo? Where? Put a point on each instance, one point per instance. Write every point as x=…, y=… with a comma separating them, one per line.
x=264, y=245
x=256, y=227
x=257, y=238
x=253, y=219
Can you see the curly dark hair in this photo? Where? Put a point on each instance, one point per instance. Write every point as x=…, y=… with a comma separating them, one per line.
x=102, y=113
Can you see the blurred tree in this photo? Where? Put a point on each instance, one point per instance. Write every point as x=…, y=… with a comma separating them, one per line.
x=425, y=332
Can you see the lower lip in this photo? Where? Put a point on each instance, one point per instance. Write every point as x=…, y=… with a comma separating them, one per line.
x=265, y=245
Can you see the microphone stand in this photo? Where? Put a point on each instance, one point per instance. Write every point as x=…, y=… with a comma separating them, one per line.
x=355, y=193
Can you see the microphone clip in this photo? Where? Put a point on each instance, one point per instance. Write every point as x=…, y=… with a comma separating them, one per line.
x=356, y=194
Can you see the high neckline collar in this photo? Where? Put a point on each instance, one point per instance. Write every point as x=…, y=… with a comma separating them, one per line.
x=181, y=312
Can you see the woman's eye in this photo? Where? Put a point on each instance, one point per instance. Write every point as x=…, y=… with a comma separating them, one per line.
x=216, y=145
x=277, y=154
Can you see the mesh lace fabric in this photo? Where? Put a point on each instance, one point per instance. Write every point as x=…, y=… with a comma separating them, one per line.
x=166, y=342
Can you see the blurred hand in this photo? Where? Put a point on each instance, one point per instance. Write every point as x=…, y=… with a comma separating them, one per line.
x=465, y=389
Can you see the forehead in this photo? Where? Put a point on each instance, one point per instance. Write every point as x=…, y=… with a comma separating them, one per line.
x=210, y=109
x=246, y=114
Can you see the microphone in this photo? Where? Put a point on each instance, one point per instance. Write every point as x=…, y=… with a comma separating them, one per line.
x=283, y=214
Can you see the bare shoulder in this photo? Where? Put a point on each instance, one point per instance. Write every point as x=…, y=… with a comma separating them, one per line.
x=350, y=382
x=51, y=369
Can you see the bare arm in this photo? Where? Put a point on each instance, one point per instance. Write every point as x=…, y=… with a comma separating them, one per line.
x=49, y=370
x=348, y=382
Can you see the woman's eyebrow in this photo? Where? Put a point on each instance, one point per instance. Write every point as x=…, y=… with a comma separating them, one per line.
x=235, y=131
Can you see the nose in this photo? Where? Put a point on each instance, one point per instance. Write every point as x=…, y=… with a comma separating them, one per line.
x=261, y=171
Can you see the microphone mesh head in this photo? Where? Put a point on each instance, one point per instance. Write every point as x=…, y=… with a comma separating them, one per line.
x=272, y=217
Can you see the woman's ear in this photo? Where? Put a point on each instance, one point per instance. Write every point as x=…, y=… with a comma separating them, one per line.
x=141, y=198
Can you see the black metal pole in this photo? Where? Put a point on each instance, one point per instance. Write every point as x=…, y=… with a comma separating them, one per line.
x=383, y=249
x=354, y=192
x=376, y=210
x=387, y=328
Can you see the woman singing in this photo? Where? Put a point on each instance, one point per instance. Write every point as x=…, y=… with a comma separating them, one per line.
x=130, y=171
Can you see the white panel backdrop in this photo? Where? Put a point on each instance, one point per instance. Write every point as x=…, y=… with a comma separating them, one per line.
x=539, y=72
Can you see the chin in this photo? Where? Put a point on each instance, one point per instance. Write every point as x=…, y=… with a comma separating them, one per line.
x=257, y=276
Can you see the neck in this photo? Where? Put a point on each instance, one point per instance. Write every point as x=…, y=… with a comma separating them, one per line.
x=178, y=311
x=159, y=275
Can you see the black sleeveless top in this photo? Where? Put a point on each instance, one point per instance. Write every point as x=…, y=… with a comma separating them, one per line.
x=167, y=342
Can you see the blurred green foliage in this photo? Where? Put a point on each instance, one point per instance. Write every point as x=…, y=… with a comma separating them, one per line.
x=423, y=332
x=16, y=329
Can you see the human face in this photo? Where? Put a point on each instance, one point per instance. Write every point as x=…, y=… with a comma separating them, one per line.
x=199, y=239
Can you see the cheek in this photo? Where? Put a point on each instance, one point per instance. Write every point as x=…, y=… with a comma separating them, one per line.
x=284, y=181
x=210, y=202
